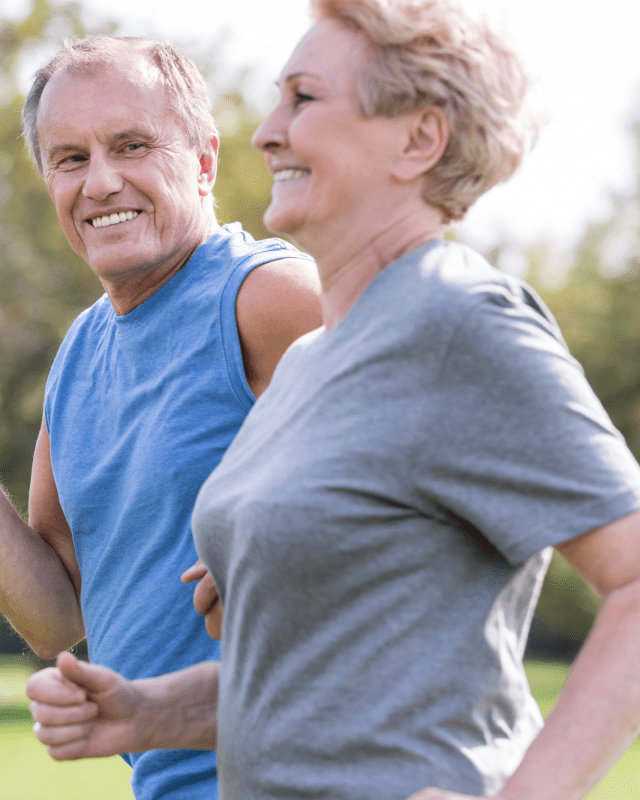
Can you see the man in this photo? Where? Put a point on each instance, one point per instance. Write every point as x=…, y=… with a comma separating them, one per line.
x=152, y=382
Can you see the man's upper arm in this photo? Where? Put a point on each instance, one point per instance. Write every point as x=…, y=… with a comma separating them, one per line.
x=45, y=512
x=277, y=303
x=608, y=557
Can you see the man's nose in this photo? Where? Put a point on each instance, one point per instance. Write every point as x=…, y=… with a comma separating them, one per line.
x=102, y=178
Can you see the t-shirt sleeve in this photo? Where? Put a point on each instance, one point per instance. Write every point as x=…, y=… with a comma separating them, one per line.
x=516, y=442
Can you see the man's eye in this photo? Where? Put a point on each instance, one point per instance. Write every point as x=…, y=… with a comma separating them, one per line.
x=70, y=161
x=132, y=147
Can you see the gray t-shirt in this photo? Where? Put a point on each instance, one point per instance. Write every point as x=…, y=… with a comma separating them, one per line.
x=379, y=532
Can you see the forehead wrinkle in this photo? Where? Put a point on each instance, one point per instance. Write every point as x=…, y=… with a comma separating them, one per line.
x=133, y=133
x=60, y=148
x=143, y=133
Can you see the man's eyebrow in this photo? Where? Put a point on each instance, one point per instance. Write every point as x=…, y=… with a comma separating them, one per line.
x=132, y=134
x=61, y=149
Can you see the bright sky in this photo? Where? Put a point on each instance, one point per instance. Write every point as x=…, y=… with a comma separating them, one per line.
x=584, y=52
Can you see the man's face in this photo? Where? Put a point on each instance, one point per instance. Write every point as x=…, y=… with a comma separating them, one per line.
x=128, y=189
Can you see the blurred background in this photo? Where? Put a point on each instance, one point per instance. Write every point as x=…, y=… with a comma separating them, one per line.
x=569, y=222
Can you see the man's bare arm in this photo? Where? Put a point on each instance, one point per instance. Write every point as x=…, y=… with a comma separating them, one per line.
x=88, y=711
x=277, y=303
x=39, y=574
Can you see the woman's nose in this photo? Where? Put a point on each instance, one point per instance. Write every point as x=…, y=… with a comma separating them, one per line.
x=270, y=134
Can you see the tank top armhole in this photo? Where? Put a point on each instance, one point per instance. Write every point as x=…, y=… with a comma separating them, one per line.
x=230, y=336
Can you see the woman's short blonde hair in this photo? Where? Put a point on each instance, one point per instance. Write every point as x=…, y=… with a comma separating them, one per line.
x=431, y=53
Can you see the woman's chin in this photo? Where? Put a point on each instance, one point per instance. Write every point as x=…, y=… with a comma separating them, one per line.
x=280, y=221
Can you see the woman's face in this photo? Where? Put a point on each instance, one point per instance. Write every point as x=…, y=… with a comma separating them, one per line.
x=330, y=164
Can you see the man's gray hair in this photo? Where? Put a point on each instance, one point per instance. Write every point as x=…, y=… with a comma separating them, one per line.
x=186, y=90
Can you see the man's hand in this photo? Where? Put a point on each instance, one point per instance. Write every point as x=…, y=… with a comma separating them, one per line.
x=83, y=710
x=205, y=598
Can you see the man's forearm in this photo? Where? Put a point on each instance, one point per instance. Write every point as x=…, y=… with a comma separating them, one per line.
x=179, y=710
x=36, y=592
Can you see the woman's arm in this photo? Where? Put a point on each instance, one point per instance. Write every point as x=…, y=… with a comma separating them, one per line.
x=87, y=711
x=597, y=715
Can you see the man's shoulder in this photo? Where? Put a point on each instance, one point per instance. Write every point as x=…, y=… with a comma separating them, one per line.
x=283, y=287
x=278, y=302
x=92, y=319
x=239, y=245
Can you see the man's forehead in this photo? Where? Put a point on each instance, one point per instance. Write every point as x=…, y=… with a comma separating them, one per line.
x=133, y=70
x=113, y=90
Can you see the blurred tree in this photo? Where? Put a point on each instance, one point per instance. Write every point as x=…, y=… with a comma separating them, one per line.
x=597, y=309
x=243, y=184
x=43, y=285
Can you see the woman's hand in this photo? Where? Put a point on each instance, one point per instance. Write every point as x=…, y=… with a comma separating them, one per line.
x=83, y=710
x=205, y=598
x=441, y=794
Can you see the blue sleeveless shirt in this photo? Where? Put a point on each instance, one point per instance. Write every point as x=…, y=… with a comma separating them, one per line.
x=140, y=408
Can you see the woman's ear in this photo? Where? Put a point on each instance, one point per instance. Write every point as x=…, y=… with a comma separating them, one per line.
x=427, y=137
x=208, y=167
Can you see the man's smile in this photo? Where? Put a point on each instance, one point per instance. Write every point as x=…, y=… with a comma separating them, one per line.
x=112, y=219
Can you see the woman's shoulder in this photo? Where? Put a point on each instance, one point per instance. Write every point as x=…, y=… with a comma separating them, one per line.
x=453, y=268
x=447, y=280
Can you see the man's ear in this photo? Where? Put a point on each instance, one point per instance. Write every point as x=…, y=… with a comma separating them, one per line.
x=208, y=167
x=427, y=137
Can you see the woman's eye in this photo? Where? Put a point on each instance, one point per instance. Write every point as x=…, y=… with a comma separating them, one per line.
x=300, y=98
x=131, y=148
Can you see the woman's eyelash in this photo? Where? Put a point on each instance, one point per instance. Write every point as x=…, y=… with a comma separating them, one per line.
x=302, y=97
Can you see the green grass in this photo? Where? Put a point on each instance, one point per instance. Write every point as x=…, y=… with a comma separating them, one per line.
x=29, y=774
x=623, y=782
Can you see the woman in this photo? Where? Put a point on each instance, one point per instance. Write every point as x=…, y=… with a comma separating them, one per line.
x=380, y=527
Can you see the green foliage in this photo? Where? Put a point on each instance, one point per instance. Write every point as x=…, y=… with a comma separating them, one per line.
x=29, y=773
x=243, y=183
x=43, y=285
x=600, y=320
x=565, y=612
x=623, y=782
x=596, y=308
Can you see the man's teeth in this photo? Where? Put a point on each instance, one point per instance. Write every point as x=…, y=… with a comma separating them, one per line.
x=113, y=219
x=289, y=174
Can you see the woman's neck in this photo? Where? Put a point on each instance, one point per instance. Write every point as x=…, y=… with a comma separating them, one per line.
x=346, y=266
